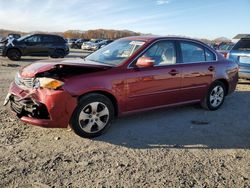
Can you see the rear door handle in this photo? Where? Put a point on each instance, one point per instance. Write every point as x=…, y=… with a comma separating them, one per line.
x=173, y=72
x=211, y=68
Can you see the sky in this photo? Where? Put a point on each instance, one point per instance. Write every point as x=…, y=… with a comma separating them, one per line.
x=194, y=18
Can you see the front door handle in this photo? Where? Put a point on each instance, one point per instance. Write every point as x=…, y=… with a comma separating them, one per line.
x=211, y=68
x=173, y=72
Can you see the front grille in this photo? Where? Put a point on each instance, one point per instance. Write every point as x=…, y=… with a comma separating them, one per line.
x=27, y=82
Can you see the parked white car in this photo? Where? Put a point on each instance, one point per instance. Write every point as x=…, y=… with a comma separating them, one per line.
x=88, y=45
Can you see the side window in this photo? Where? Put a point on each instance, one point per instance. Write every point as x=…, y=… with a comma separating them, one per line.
x=59, y=39
x=35, y=38
x=192, y=53
x=48, y=39
x=163, y=53
x=210, y=56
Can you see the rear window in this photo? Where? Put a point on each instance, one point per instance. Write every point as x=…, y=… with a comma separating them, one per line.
x=59, y=39
x=192, y=53
x=243, y=44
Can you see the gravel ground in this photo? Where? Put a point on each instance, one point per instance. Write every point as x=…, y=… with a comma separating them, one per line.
x=178, y=147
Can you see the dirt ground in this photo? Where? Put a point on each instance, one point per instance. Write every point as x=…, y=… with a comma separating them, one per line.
x=178, y=147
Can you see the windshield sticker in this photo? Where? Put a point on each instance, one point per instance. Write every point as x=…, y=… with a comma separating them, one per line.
x=139, y=43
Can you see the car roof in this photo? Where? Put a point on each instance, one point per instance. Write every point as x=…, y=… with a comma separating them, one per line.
x=150, y=38
x=42, y=34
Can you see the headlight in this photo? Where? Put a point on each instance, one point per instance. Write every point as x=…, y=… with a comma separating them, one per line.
x=48, y=83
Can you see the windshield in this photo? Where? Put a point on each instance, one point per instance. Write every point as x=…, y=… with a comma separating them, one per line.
x=116, y=52
x=23, y=37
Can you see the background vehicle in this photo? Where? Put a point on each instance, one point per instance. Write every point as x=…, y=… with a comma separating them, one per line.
x=88, y=45
x=240, y=54
x=14, y=35
x=224, y=48
x=78, y=43
x=35, y=45
x=130, y=75
x=98, y=45
x=70, y=41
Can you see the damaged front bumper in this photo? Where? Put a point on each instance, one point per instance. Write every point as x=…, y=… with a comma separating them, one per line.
x=42, y=107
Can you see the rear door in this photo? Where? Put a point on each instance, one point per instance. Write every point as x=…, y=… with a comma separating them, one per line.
x=48, y=44
x=154, y=86
x=198, y=69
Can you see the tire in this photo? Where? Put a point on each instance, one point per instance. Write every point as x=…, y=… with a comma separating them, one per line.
x=58, y=54
x=93, y=116
x=214, y=97
x=14, y=54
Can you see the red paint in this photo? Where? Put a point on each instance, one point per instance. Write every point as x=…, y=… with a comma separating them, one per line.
x=134, y=89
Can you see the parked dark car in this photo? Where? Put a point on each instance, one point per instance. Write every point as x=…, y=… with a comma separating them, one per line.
x=240, y=54
x=70, y=41
x=78, y=43
x=34, y=45
x=129, y=75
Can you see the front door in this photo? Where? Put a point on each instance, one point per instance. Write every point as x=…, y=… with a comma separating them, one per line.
x=154, y=86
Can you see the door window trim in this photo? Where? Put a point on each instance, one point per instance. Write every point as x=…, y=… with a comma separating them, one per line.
x=178, y=52
x=199, y=45
x=160, y=40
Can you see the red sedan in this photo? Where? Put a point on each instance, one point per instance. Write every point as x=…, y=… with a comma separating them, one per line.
x=129, y=75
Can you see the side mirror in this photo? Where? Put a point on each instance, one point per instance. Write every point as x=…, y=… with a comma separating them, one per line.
x=144, y=62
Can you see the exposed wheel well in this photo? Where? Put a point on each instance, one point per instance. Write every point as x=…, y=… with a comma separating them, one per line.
x=226, y=84
x=107, y=94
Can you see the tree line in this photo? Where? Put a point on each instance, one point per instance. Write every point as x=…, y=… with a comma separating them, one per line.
x=96, y=33
x=100, y=33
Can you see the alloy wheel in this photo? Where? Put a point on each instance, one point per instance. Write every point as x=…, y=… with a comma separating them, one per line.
x=216, y=96
x=93, y=117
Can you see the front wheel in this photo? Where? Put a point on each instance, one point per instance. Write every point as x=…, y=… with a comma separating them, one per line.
x=215, y=96
x=92, y=116
x=14, y=54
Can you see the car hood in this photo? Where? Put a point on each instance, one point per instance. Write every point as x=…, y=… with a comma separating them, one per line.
x=32, y=70
x=8, y=42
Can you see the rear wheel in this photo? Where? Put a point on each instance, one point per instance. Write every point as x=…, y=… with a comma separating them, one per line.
x=58, y=54
x=14, y=54
x=215, y=96
x=92, y=116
